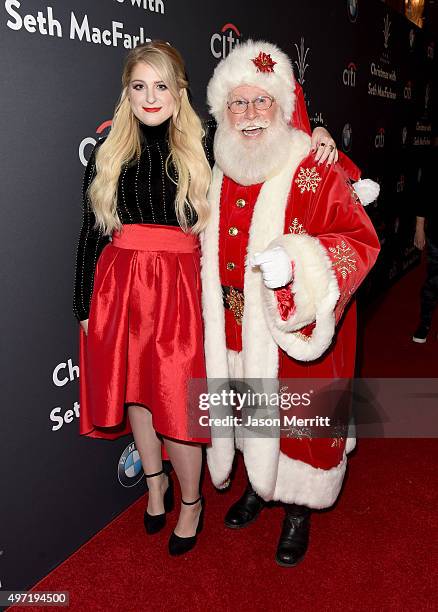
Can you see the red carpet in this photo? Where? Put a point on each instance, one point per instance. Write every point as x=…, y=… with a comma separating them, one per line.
x=385, y=335
x=373, y=551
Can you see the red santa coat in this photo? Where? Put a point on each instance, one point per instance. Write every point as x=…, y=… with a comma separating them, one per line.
x=313, y=213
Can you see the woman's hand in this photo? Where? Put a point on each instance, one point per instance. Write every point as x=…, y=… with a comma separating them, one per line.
x=84, y=325
x=323, y=146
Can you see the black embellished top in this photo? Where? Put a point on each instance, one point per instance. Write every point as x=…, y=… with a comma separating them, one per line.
x=145, y=194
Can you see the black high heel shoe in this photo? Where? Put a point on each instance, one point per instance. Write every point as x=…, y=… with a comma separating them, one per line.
x=180, y=546
x=153, y=523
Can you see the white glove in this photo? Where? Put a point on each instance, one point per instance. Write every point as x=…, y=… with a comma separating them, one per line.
x=367, y=190
x=275, y=266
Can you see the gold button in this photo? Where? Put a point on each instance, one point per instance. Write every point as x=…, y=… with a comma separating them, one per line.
x=233, y=231
x=231, y=265
x=240, y=203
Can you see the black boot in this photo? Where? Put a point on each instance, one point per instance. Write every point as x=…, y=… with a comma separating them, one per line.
x=294, y=537
x=245, y=510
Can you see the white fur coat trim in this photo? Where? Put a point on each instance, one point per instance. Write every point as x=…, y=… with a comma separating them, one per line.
x=220, y=454
x=303, y=484
x=316, y=293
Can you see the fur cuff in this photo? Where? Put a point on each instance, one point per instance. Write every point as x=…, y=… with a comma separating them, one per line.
x=300, y=483
x=220, y=456
x=316, y=292
x=367, y=191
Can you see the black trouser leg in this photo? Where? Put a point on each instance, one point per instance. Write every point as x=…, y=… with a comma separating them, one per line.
x=429, y=292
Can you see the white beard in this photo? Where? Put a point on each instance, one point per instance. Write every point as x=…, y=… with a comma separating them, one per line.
x=247, y=160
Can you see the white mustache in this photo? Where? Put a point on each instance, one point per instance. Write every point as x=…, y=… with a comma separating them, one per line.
x=254, y=123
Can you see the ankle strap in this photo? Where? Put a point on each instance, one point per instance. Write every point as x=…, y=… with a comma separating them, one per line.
x=191, y=503
x=156, y=474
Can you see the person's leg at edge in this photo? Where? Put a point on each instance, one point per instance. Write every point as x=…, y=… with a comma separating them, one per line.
x=429, y=292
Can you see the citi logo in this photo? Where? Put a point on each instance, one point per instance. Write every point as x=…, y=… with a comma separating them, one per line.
x=318, y=119
x=379, y=140
x=352, y=9
x=91, y=142
x=407, y=91
x=349, y=75
x=221, y=44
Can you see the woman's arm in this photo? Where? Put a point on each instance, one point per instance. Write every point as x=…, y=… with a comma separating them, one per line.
x=90, y=244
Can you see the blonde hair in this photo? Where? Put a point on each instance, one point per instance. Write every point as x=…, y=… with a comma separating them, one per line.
x=185, y=140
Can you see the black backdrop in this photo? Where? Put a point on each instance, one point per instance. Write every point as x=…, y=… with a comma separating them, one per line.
x=367, y=75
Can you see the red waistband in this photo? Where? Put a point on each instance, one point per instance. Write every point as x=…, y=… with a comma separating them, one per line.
x=144, y=237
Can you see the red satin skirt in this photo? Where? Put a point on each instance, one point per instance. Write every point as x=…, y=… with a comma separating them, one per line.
x=145, y=333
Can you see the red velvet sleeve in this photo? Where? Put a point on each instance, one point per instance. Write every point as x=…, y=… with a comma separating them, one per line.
x=342, y=227
x=333, y=245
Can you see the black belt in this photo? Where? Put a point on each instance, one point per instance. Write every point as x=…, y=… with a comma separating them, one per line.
x=234, y=300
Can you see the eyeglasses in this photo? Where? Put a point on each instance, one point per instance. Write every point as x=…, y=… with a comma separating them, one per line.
x=261, y=103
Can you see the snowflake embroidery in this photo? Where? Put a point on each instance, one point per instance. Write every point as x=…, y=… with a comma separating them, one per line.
x=296, y=227
x=308, y=179
x=298, y=433
x=301, y=336
x=343, y=259
x=340, y=432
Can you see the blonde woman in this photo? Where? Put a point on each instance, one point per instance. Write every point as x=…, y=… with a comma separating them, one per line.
x=137, y=289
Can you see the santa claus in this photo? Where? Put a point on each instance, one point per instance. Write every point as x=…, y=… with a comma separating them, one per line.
x=287, y=246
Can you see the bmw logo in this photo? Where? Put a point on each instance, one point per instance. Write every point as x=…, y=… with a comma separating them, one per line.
x=347, y=137
x=130, y=471
x=352, y=7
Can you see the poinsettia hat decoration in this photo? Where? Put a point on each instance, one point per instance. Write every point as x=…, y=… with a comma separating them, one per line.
x=264, y=62
x=257, y=63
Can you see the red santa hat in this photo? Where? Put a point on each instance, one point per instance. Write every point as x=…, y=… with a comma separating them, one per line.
x=256, y=63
